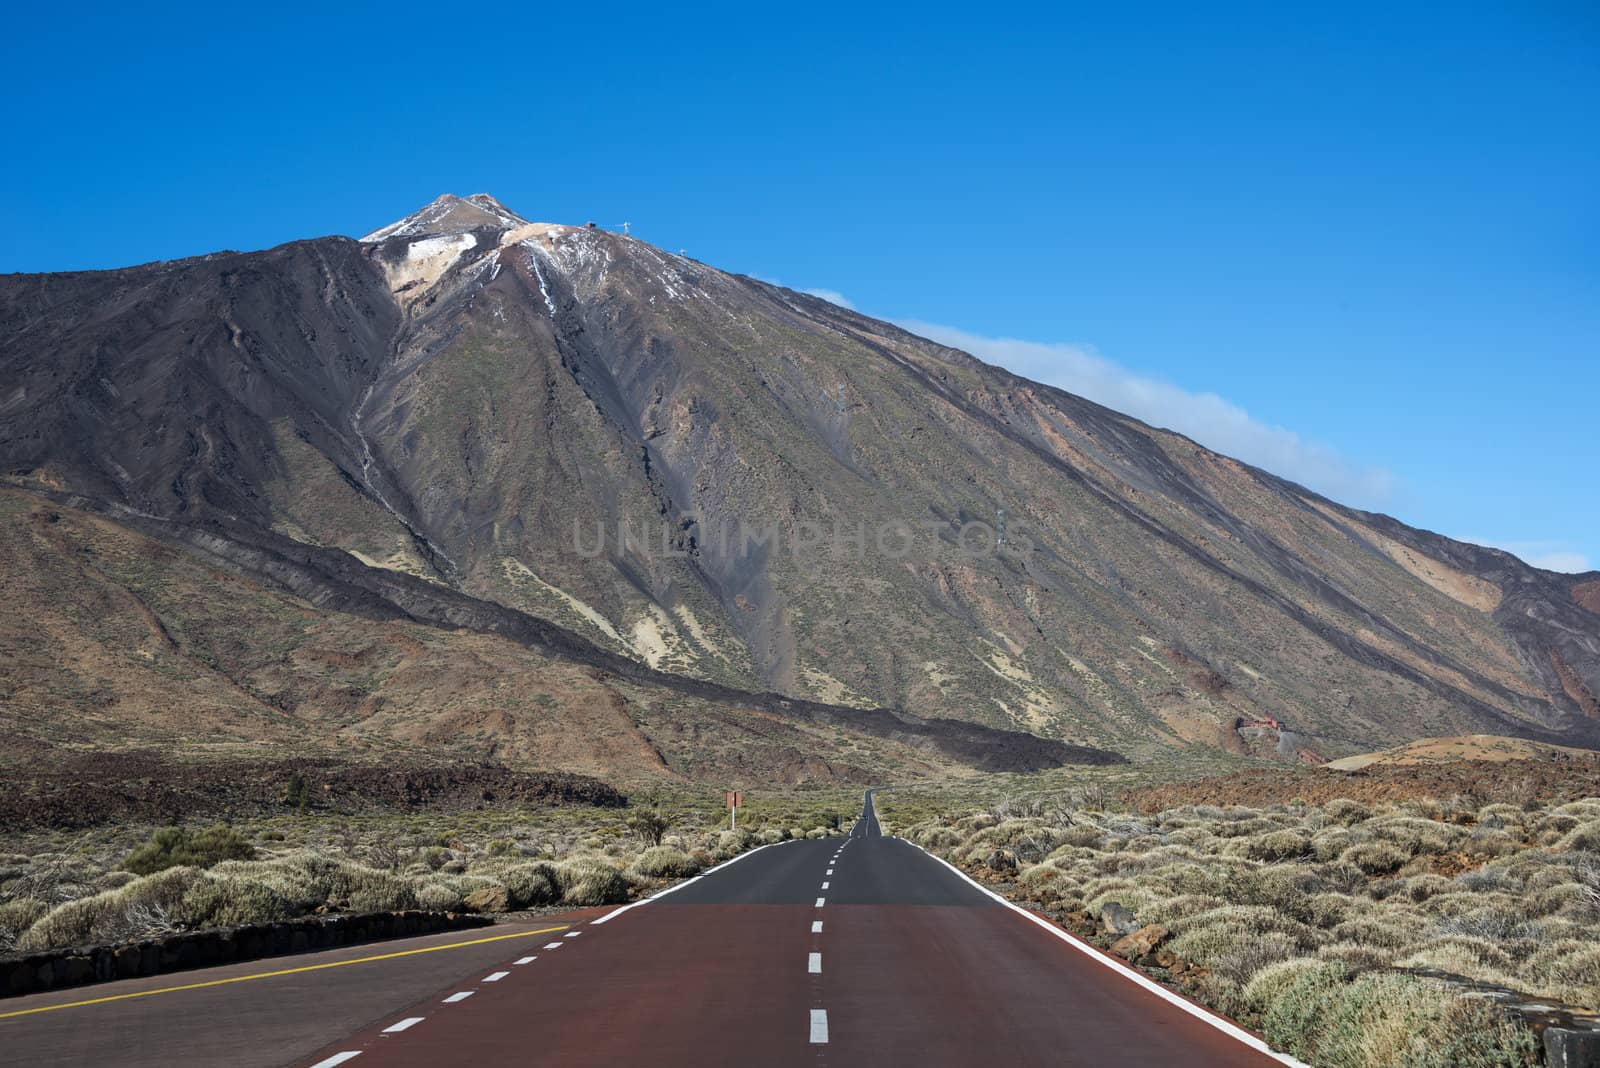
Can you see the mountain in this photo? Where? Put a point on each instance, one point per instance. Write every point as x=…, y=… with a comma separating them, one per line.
x=605, y=455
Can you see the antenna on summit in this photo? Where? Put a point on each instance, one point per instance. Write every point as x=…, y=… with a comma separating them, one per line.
x=625, y=231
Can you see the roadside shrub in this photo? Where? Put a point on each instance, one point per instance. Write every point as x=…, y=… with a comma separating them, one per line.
x=591, y=881
x=1300, y=1003
x=1473, y=958
x=111, y=915
x=375, y=891
x=1208, y=937
x=530, y=885
x=664, y=862
x=230, y=902
x=650, y=824
x=1169, y=910
x=1382, y=1020
x=16, y=916
x=1571, y=969
x=439, y=896
x=173, y=846
x=732, y=843
x=75, y=923
x=1269, y=983
x=1356, y=958
x=1246, y=957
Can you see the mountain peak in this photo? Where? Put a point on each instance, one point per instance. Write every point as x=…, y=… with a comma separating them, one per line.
x=450, y=214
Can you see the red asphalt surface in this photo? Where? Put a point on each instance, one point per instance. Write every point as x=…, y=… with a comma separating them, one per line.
x=915, y=966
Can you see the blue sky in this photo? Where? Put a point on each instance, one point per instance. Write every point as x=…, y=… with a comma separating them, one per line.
x=1357, y=245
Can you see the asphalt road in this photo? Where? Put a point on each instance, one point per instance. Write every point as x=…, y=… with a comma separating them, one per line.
x=837, y=952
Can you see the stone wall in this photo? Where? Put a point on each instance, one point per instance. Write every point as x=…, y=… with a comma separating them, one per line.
x=59, y=968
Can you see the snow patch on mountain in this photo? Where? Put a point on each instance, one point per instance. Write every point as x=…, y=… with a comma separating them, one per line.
x=424, y=263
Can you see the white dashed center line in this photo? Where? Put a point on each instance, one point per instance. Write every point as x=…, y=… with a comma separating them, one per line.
x=828, y=872
x=338, y=1058
x=395, y=1029
x=819, y=1026
x=554, y=945
x=462, y=996
x=495, y=977
x=816, y=926
x=821, y=901
x=526, y=960
x=824, y=886
x=814, y=964
x=572, y=934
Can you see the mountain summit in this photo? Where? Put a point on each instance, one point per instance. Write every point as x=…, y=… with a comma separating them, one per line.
x=451, y=214
x=733, y=495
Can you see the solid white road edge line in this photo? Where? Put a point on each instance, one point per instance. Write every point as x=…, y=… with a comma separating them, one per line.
x=814, y=964
x=673, y=889
x=1232, y=1030
x=408, y=1022
x=819, y=1026
x=462, y=996
x=340, y=1058
x=495, y=977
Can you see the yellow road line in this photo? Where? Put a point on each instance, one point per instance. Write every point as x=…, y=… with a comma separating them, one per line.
x=282, y=971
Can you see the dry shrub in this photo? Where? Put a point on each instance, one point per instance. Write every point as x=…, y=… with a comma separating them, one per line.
x=591, y=881
x=530, y=885
x=1585, y=838
x=16, y=916
x=1376, y=858
x=665, y=862
x=1329, y=909
x=439, y=895
x=1384, y=932
x=1345, y=811
x=1271, y=980
x=1277, y=845
x=1391, y=1021
x=231, y=902
x=1468, y=957
x=111, y=915
x=1246, y=957
x=1357, y=958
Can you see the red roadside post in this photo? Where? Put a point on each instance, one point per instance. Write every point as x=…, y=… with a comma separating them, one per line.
x=735, y=799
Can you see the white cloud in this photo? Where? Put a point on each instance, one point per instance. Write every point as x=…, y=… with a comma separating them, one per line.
x=1209, y=419
x=1550, y=555
x=832, y=296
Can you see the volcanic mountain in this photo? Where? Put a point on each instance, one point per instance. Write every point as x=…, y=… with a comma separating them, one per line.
x=549, y=494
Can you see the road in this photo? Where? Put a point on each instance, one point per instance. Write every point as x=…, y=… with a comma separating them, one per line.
x=836, y=952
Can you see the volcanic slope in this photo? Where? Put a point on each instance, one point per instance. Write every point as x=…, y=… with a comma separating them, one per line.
x=506, y=424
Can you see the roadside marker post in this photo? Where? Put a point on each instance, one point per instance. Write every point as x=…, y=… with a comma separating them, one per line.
x=735, y=799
